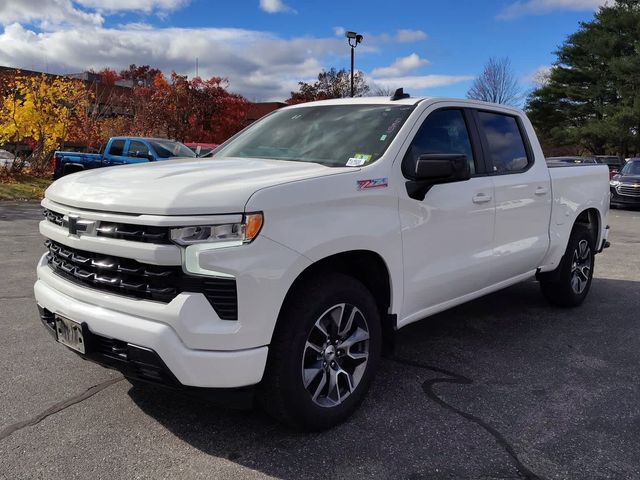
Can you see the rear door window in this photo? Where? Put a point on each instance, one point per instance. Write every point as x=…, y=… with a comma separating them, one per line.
x=507, y=149
x=117, y=148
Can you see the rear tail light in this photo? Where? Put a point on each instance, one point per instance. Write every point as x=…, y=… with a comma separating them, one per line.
x=54, y=161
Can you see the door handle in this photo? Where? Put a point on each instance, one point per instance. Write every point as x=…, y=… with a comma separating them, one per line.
x=541, y=190
x=481, y=198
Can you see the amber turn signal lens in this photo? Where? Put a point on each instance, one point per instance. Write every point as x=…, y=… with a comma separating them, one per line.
x=253, y=224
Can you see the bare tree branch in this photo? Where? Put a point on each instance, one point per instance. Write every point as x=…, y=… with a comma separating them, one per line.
x=496, y=84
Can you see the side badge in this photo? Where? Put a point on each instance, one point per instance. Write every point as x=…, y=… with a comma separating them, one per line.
x=373, y=183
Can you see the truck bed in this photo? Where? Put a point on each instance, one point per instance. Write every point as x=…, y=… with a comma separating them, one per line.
x=575, y=187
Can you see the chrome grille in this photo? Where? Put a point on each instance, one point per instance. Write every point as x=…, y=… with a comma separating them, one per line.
x=628, y=189
x=138, y=280
x=123, y=231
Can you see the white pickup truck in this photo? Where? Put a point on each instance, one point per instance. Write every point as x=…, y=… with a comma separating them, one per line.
x=281, y=267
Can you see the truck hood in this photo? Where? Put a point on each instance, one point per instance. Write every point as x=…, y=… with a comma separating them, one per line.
x=181, y=187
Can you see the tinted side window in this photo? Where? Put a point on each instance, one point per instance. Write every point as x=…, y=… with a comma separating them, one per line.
x=444, y=131
x=506, y=145
x=117, y=147
x=137, y=146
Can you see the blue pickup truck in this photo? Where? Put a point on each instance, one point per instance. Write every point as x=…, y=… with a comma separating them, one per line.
x=120, y=151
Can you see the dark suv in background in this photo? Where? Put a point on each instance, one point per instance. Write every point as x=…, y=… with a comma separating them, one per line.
x=625, y=185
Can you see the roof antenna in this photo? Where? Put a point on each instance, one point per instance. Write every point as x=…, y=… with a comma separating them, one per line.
x=399, y=94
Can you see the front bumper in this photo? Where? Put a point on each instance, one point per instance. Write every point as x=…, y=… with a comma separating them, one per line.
x=189, y=367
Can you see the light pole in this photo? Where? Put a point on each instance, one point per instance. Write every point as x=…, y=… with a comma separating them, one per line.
x=353, y=39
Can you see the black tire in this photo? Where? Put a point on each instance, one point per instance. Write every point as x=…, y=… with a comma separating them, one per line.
x=282, y=392
x=569, y=284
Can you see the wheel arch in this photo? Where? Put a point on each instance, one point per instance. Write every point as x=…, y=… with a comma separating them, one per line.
x=370, y=269
x=590, y=217
x=69, y=168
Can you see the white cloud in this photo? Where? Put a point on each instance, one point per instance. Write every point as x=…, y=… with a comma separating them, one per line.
x=48, y=14
x=538, y=77
x=45, y=13
x=419, y=82
x=401, y=66
x=259, y=65
x=275, y=6
x=541, y=7
x=401, y=36
x=146, y=6
x=62, y=36
x=410, y=36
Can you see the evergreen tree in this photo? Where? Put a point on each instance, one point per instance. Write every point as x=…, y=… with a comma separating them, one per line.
x=592, y=96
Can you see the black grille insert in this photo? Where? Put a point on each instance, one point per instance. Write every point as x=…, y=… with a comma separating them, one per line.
x=138, y=280
x=122, y=231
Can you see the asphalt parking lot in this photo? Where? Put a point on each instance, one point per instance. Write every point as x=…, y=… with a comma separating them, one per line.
x=505, y=387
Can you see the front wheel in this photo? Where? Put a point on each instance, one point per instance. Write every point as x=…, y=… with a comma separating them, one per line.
x=569, y=285
x=324, y=353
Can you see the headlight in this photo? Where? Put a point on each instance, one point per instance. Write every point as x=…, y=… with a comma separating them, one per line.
x=614, y=183
x=231, y=232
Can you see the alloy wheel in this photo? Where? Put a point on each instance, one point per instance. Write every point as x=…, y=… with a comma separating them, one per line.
x=335, y=355
x=581, y=265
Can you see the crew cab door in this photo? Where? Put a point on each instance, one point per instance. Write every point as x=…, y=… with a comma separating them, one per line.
x=447, y=237
x=114, y=155
x=522, y=194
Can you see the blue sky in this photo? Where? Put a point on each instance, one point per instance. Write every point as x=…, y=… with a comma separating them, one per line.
x=264, y=47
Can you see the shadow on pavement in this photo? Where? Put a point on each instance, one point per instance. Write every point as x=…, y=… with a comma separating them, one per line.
x=502, y=387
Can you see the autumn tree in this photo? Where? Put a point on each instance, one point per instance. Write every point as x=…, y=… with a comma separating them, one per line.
x=330, y=84
x=39, y=110
x=496, y=84
x=109, y=76
x=188, y=109
x=142, y=75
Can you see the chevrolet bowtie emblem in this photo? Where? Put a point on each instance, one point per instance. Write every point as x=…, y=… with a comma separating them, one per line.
x=75, y=225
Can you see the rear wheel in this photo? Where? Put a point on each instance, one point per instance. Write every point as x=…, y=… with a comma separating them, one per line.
x=324, y=353
x=569, y=285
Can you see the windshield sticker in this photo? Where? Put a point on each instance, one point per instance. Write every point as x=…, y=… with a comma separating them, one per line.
x=373, y=183
x=383, y=138
x=365, y=156
x=358, y=159
x=355, y=162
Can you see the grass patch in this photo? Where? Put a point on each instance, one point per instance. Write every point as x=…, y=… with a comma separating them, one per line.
x=23, y=188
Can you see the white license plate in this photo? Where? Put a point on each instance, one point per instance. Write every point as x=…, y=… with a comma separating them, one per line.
x=69, y=333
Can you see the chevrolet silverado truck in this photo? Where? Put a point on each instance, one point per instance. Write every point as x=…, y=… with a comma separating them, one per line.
x=280, y=268
x=119, y=151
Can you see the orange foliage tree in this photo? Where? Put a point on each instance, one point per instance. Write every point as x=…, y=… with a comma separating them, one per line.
x=188, y=109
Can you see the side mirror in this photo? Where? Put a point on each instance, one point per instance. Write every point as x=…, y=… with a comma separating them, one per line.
x=138, y=154
x=436, y=168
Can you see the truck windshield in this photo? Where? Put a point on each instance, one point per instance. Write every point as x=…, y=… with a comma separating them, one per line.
x=169, y=148
x=335, y=135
